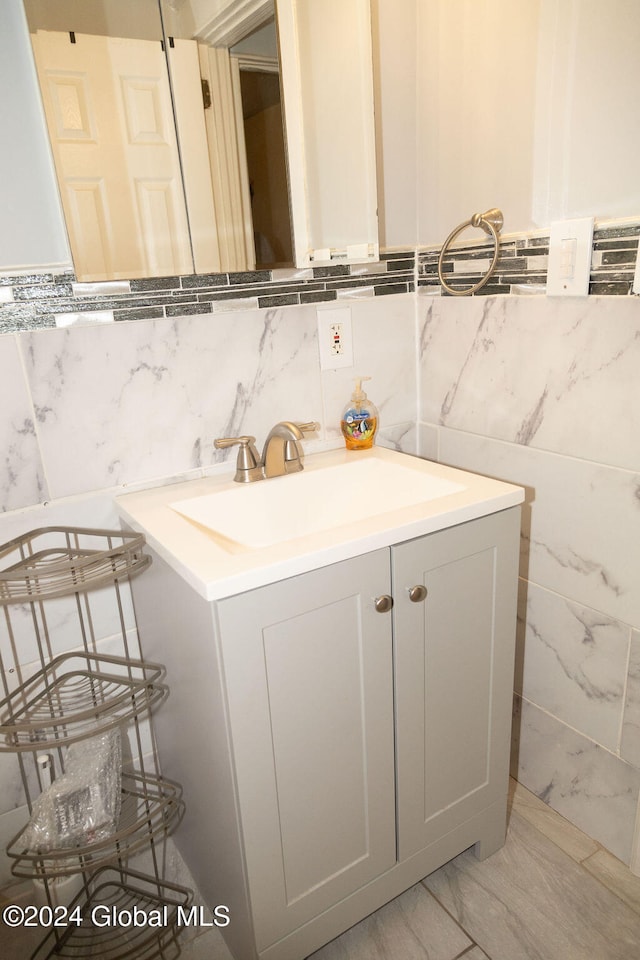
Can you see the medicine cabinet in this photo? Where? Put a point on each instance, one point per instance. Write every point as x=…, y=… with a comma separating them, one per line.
x=325, y=59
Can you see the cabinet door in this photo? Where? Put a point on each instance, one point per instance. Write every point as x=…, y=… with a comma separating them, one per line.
x=454, y=674
x=308, y=673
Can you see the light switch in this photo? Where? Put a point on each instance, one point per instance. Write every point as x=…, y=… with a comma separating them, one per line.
x=570, y=250
x=636, y=278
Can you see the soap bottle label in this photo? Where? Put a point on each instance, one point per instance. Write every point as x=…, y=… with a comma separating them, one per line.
x=358, y=429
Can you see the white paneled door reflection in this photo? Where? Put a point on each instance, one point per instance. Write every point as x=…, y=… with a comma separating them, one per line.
x=108, y=108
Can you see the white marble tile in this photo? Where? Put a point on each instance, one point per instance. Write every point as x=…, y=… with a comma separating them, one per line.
x=383, y=332
x=530, y=901
x=591, y=787
x=126, y=402
x=581, y=521
x=22, y=479
x=27, y=633
x=559, y=375
x=11, y=823
x=549, y=822
x=572, y=661
x=413, y=926
x=94, y=509
x=12, y=793
x=402, y=437
x=428, y=437
x=630, y=746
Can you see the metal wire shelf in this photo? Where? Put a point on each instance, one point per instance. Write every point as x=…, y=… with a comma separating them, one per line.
x=112, y=893
x=151, y=808
x=59, y=561
x=81, y=693
x=78, y=695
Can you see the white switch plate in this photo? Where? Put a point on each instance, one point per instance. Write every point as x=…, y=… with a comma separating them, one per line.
x=334, y=338
x=570, y=249
x=636, y=278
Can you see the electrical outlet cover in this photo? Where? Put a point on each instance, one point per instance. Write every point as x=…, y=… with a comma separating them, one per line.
x=329, y=359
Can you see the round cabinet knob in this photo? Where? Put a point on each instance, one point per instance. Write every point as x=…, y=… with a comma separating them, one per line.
x=418, y=593
x=384, y=603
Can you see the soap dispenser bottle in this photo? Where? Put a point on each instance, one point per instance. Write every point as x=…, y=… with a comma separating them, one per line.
x=359, y=420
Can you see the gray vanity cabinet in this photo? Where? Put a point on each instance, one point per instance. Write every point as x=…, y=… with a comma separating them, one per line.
x=332, y=755
x=308, y=674
x=454, y=655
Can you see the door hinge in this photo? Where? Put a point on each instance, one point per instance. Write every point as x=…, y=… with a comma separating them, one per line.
x=206, y=93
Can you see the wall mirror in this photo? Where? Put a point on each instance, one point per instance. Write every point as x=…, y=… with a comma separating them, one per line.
x=166, y=125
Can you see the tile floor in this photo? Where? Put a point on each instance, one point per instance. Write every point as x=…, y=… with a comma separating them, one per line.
x=551, y=893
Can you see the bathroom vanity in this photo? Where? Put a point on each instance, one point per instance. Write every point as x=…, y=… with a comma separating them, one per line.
x=340, y=709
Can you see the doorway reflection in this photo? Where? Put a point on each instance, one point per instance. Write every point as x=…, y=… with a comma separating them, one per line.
x=266, y=167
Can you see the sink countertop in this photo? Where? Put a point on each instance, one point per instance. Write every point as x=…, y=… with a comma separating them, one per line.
x=218, y=568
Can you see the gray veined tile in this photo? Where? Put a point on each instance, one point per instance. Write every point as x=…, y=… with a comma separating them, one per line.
x=543, y=363
x=590, y=786
x=411, y=927
x=22, y=478
x=581, y=522
x=129, y=402
x=549, y=822
x=531, y=901
x=574, y=664
x=630, y=746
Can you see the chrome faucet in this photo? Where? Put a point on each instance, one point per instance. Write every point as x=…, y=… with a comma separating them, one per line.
x=281, y=452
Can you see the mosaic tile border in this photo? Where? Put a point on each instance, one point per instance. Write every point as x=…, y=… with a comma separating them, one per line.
x=523, y=263
x=44, y=300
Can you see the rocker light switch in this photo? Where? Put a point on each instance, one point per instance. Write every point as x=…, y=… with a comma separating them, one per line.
x=636, y=278
x=568, y=249
x=570, y=243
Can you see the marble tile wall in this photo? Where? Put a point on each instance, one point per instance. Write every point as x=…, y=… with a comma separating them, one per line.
x=545, y=393
x=95, y=407
x=90, y=410
x=538, y=391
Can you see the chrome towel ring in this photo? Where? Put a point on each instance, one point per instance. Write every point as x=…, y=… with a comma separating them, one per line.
x=491, y=222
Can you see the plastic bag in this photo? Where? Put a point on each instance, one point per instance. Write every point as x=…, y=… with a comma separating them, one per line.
x=81, y=806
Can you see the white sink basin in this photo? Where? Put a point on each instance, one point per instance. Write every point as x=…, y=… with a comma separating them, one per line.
x=267, y=512
x=225, y=538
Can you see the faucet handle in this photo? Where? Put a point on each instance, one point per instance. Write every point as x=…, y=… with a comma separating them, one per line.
x=292, y=462
x=249, y=465
x=223, y=442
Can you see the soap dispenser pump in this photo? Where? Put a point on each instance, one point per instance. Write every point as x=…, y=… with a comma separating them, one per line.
x=359, y=420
